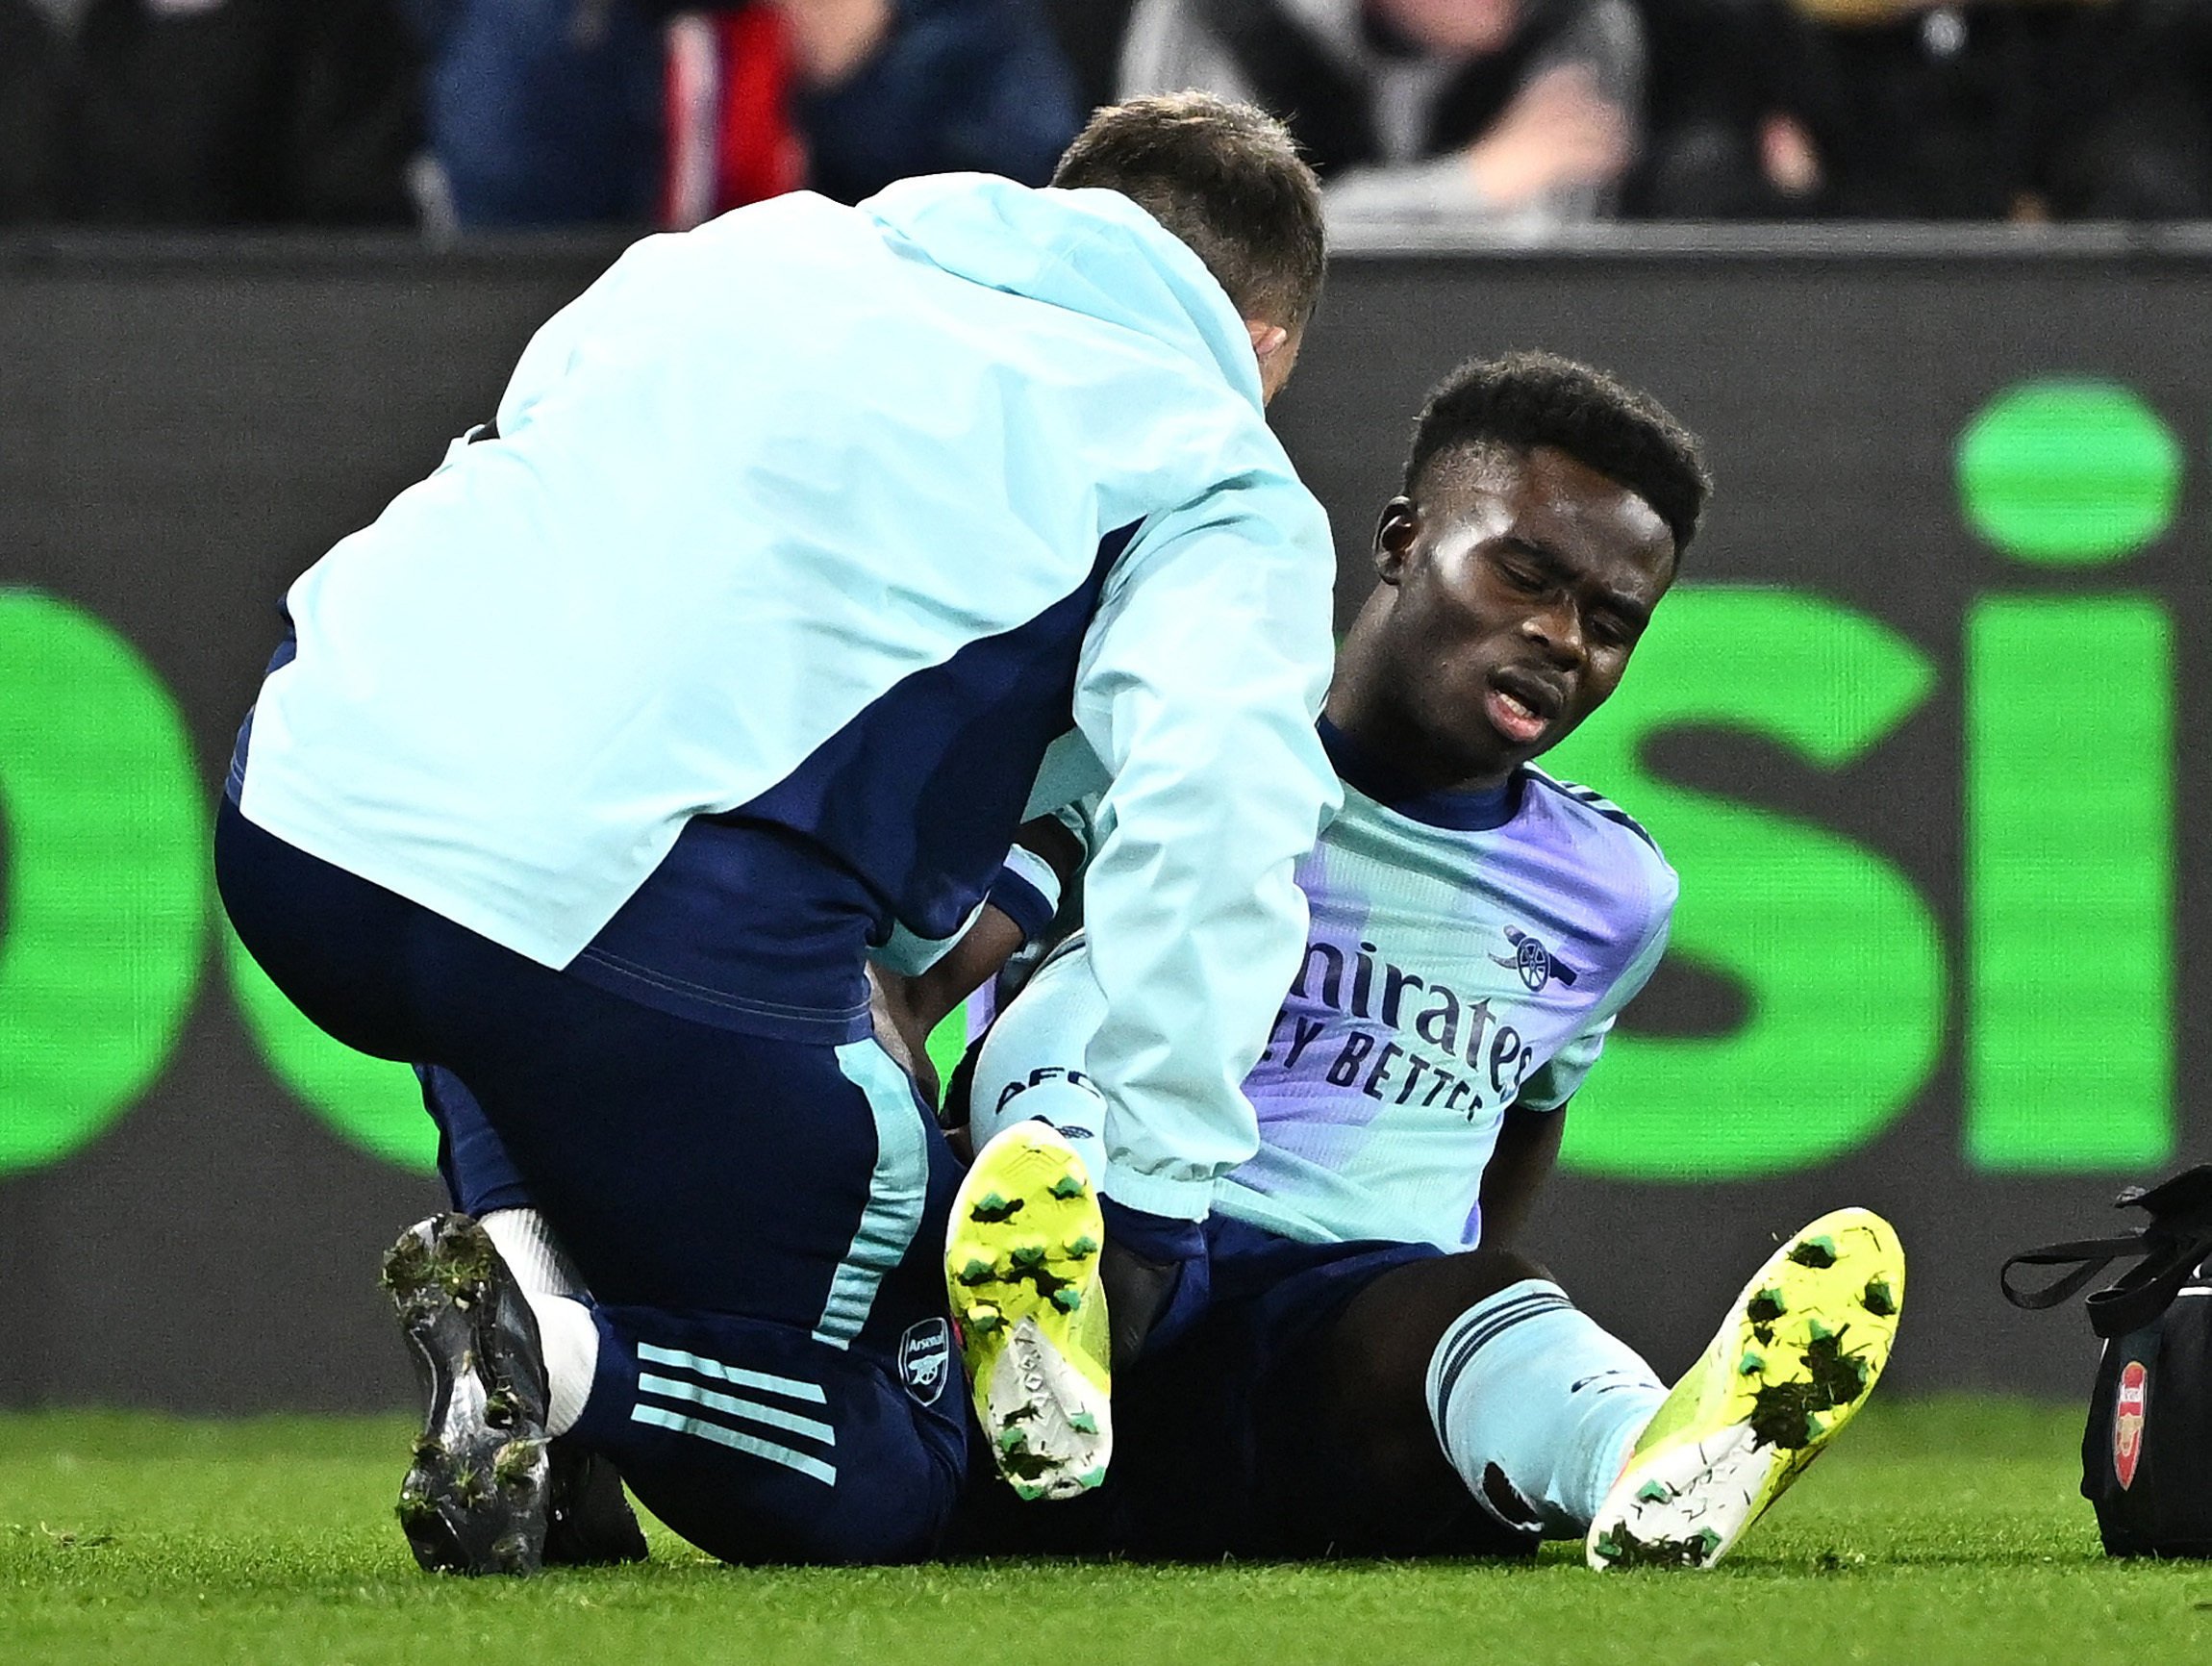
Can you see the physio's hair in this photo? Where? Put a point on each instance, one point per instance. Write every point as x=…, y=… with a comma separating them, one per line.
x=1524, y=400
x=1227, y=180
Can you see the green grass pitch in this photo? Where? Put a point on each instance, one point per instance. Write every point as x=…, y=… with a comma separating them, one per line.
x=1935, y=1532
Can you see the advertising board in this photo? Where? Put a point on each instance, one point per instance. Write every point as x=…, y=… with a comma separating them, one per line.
x=1915, y=727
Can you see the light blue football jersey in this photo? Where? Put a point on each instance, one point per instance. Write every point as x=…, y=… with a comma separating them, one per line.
x=1464, y=955
x=1449, y=972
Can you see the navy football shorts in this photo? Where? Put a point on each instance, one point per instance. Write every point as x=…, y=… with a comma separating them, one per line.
x=1218, y=1449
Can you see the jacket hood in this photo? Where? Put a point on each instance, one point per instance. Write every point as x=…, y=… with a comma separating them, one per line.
x=1091, y=251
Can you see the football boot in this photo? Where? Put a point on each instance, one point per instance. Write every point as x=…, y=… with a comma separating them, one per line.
x=1021, y=1270
x=1795, y=1360
x=475, y=1500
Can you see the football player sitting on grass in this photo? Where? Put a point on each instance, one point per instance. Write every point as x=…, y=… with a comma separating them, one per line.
x=1348, y=1354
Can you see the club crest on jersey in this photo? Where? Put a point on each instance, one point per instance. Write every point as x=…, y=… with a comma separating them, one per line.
x=1537, y=965
x=925, y=1360
x=2128, y=1413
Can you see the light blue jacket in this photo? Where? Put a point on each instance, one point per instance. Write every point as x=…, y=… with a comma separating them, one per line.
x=766, y=506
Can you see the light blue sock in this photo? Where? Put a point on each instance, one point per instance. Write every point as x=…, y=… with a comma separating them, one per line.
x=1525, y=1384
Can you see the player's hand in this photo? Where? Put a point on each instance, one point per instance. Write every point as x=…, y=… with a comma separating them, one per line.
x=898, y=1029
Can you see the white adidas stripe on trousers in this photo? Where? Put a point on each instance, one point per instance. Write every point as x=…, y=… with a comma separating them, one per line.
x=699, y=1401
x=898, y=1190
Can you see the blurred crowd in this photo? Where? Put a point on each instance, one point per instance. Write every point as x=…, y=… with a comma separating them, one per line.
x=505, y=113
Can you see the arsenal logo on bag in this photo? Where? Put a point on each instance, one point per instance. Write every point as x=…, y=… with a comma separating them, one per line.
x=2127, y=1410
x=2150, y=1484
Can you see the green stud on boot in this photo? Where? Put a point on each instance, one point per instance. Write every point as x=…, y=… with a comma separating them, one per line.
x=518, y=1463
x=993, y=1208
x=1815, y=1252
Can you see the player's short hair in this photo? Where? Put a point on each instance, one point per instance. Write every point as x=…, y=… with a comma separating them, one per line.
x=1227, y=180
x=1529, y=399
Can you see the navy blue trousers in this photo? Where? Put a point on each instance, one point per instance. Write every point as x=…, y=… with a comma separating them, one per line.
x=759, y=1221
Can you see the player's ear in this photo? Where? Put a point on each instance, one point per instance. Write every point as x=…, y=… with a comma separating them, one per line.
x=1395, y=533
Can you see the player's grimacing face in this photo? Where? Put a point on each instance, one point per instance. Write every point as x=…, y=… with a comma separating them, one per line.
x=1523, y=583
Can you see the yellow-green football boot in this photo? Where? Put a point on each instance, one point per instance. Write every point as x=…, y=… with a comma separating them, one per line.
x=1021, y=1268
x=1792, y=1362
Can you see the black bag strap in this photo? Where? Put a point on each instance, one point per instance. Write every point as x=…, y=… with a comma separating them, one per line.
x=2088, y=1256
x=2176, y=1240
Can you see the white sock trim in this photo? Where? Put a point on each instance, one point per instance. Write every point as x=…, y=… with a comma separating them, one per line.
x=570, y=1339
x=532, y=1254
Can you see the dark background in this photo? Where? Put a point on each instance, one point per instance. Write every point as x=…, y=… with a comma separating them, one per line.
x=184, y=427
